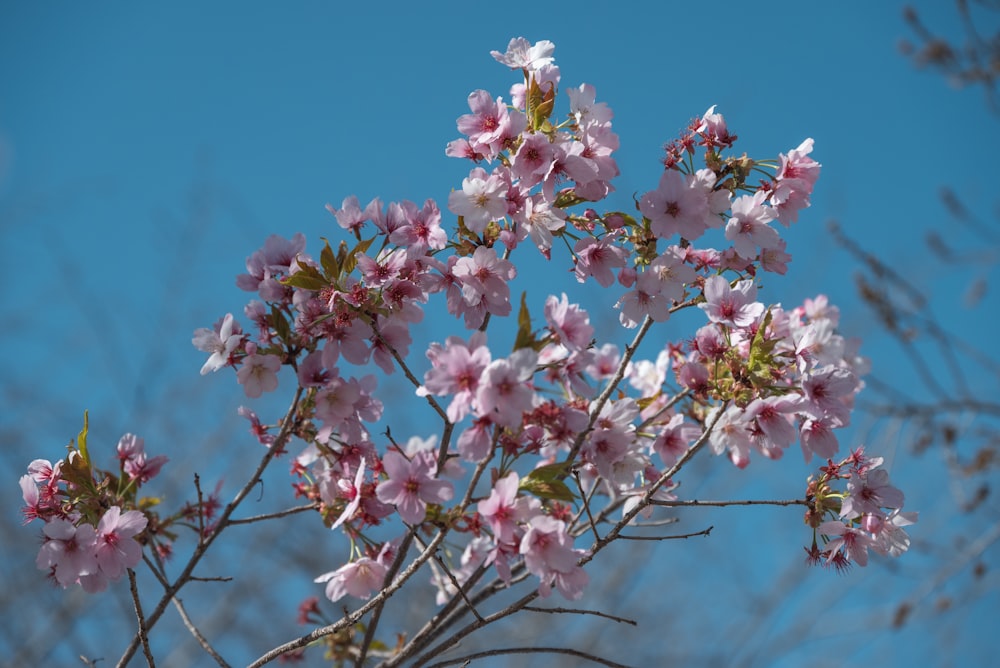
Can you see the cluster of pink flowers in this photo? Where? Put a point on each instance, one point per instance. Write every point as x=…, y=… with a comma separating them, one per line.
x=560, y=407
x=88, y=538
x=867, y=514
x=764, y=376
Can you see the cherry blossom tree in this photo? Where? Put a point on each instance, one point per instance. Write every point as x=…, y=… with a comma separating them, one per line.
x=547, y=448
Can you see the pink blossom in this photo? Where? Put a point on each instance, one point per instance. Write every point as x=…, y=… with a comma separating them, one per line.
x=748, y=228
x=569, y=323
x=116, y=549
x=256, y=428
x=351, y=217
x=735, y=306
x=585, y=108
x=548, y=553
x=352, y=492
x=817, y=437
x=504, y=391
x=411, y=485
x=521, y=54
x=221, y=342
x=676, y=207
x=597, y=257
x=135, y=462
x=481, y=200
x=503, y=510
x=423, y=231
x=259, y=374
x=538, y=220
x=828, y=390
x=533, y=159
x=890, y=538
x=69, y=550
x=731, y=432
x=456, y=370
x=794, y=182
x=869, y=494
x=854, y=542
x=713, y=129
x=358, y=578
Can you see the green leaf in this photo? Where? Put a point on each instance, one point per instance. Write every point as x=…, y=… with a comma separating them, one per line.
x=525, y=338
x=555, y=490
x=81, y=439
x=329, y=261
x=279, y=323
x=306, y=278
x=351, y=260
x=550, y=472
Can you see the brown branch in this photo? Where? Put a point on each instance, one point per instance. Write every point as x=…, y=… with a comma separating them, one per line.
x=738, y=502
x=276, y=515
x=703, y=532
x=577, y=611
x=468, y=658
x=140, y=618
x=197, y=634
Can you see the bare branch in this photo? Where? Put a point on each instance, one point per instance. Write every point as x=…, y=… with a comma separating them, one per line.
x=277, y=515
x=143, y=628
x=468, y=658
x=735, y=502
x=703, y=532
x=577, y=611
x=196, y=633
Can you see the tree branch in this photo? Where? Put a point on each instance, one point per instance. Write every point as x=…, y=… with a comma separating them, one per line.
x=197, y=634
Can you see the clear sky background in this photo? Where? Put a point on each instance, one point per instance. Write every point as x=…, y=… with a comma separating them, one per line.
x=146, y=151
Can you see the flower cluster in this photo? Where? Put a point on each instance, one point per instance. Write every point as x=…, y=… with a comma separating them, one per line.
x=753, y=378
x=866, y=515
x=563, y=433
x=89, y=537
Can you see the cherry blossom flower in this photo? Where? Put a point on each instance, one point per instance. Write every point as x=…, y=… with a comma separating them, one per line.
x=597, y=257
x=676, y=208
x=358, y=578
x=569, y=323
x=521, y=54
x=456, y=370
x=869, y=494
x=68, y=550
x=854, y=542
x=481, y=200
x=221, y=342
x=748, y=228
x=504, y=392
x=116, y=549
x=259, y=374
x=735, y=306
x=548, y=553
x=411, y=485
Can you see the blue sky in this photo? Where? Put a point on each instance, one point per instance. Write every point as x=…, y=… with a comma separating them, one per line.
x=145, y=151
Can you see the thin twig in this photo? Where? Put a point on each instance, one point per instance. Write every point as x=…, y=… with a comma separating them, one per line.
x=457, y=585
x=578, y=611
x=143, y=628
x=586, y=504
x=205, y=645
x=703, y=532
x=736, y=502
x=468, y=658
x=276, y=515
